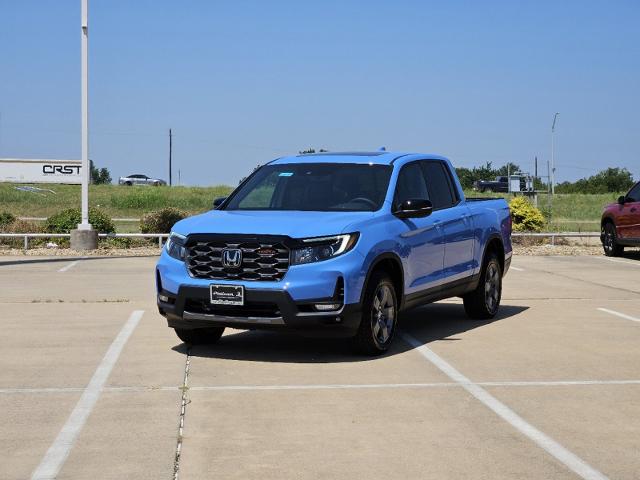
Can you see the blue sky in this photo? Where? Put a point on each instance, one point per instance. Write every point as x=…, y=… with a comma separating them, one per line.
x=243, y=82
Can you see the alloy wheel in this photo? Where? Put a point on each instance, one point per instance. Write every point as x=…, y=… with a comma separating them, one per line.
x=492, y=287
x=383, y=314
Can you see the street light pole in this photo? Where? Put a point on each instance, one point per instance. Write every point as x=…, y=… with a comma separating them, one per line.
x=84, y=238
x=85, y=225
x=553, y=163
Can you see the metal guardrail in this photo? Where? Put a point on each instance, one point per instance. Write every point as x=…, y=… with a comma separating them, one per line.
x=554, y=235
x=27, y=236
x=162, y=236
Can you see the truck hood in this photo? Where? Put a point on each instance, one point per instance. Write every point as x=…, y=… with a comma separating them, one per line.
x=295, y=224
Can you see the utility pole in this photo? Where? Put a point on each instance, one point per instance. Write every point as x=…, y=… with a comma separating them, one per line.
x=553, y=163
x=170, y=152
x=84, y=238
x=535, y=162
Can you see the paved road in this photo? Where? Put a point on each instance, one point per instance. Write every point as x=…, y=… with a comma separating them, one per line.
x=95, y=386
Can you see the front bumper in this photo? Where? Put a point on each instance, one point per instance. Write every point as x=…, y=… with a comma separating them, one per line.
x=264, y=309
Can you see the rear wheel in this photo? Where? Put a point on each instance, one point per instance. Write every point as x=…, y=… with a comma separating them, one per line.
x=128, y=184
x=200, y=336
x=610, y=241
x=484, y=301
x=379, y=316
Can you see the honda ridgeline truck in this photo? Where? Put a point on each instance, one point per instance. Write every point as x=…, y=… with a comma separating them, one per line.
x=337, y=245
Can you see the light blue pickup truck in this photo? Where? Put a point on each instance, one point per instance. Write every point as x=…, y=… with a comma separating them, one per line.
x=337, y=245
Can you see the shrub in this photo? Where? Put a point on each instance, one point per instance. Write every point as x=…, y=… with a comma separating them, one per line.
x=161, y=220
x=526, y=217
x=6, y=218
x=20, y=226
x=67, y=220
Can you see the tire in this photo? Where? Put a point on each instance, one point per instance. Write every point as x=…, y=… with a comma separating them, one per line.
x=128, y=184
x=610, y=241
x=484, y=301
x=200, y=336
x=379, y=316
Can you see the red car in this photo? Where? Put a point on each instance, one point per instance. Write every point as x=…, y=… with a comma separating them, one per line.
x=620, y=225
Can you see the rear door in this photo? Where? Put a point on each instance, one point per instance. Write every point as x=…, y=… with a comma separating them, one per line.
x=421, y=238
x=628, y=220
x=456, y=221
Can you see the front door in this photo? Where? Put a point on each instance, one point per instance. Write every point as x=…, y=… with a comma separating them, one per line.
x=421, y=238
x=628, y=219
x=456, y=221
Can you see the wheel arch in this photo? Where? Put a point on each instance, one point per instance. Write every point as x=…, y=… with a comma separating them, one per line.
x=607, y=219
x=496, y=245
x=391, y=264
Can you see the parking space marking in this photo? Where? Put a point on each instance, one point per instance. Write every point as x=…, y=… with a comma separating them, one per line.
x=59, y=450
x=71, y=265
x=560, y=383
x=566, y=457
x=517, y=269
x=335, y=386
x=616, y=260
x=618, y=314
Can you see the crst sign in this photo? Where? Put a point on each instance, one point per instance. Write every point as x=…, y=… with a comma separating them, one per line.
x=57, y=169
x=19, y=170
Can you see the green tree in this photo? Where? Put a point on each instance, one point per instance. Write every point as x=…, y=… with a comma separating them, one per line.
x=508, y=168
x=99, y=176
x=606, y=181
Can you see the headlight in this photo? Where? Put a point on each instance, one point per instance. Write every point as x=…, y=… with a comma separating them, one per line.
x=175, y=246
x=323, y=248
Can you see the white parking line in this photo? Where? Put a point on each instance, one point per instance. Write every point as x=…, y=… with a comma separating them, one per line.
x=617, y=260
x=516, y=269
x=569, y=459
x=618, y=314
x=336, y=386
x=59, y=450
x=560, y=383
x=71, y=265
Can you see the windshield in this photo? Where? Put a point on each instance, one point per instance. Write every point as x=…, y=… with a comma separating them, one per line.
x=323, y=187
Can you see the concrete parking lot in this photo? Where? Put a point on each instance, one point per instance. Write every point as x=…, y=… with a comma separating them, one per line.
x=94, y=385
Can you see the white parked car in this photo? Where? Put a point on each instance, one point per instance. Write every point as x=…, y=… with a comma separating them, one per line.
x=139, y=179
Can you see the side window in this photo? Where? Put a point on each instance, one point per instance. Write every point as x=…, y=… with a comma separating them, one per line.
x=410, y=184
x=635, y=193
x=439, y=184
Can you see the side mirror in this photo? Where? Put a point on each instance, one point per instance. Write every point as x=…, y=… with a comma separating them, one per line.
x=218, y=201
x=622, y=199
x=414, y=208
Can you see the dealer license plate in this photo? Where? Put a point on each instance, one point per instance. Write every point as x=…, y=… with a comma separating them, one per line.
x=227, y=294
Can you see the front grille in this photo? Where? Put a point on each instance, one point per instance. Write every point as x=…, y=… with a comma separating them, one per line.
x=262, y=259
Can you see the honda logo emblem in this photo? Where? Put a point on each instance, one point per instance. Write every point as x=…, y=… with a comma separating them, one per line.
x=231, y=257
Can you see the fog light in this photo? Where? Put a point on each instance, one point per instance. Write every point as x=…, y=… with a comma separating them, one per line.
x=163, y=298
x=327, y=307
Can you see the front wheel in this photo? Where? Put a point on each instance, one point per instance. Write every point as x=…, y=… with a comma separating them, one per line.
x=199, y=336
x=379, y=316
x=484, y=301
x=610, y=241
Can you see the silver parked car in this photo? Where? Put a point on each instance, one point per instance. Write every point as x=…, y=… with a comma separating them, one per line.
x=138, y=179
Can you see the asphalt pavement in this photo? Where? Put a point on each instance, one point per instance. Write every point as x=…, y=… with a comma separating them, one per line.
x=94, y=385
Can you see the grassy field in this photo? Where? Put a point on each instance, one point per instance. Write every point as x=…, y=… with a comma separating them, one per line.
x=115, y=200
x=569, y=212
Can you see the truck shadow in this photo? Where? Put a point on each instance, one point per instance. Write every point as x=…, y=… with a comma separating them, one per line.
x=631, y=254
x=438, y=321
